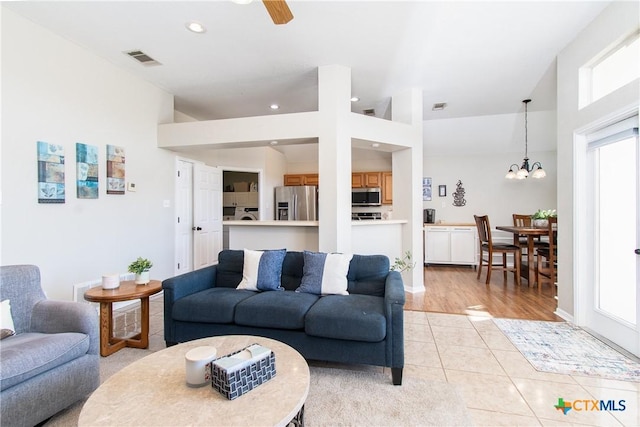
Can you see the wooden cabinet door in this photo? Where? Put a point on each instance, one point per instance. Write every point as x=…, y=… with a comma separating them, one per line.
x=294, y=179
x=387, y=188
x=357, y=180
x=311, y=179
x=372, y=179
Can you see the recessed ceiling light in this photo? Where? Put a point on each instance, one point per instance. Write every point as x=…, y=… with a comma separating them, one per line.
x=274, y=143
x=242, y=1
x=439, y=106
x=375, y=145
x=355, y=99
x=195, y=27
x=274, y=106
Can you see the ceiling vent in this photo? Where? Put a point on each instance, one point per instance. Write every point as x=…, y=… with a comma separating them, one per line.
x=142, y=58
x=369, y=112
x=439, y=106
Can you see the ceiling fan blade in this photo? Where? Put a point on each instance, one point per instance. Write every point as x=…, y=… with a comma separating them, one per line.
x=279, y=11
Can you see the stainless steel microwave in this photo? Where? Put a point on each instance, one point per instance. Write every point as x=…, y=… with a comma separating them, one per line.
x=366, y=196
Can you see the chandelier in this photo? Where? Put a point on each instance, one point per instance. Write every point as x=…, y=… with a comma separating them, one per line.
x=524, y=170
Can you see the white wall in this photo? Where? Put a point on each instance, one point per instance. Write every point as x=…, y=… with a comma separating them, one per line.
x=478, y=151
x=57, y=92
x=616, y=22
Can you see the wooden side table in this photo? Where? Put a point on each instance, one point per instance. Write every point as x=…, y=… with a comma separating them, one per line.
x=127, y=291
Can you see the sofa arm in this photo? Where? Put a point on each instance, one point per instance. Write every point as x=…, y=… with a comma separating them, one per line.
x=189, y=283
x=52, y=317
x=394, y=289
x=394, y=300
x=181, y=286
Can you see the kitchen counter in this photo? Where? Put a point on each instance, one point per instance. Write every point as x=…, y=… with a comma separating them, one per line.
x=378, y=221
x=367, y=236
x=273, y=223
x=451, y=224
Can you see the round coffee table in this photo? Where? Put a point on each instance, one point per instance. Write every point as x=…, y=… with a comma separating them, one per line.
x=153, y=391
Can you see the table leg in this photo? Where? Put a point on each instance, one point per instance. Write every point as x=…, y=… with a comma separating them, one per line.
x=141, y=340
x=531, y=274
x=108, y=344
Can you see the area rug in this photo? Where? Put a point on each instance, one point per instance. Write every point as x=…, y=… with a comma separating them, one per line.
x=564, y=348
x=341, y=397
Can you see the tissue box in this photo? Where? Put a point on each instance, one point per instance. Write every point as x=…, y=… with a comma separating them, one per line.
x=240, y=372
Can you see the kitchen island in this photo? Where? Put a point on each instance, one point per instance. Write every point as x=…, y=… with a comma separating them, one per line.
x=368, y=236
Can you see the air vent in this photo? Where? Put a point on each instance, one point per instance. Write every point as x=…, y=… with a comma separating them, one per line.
x=142, y=58
x=439, y=106
x=369, y=112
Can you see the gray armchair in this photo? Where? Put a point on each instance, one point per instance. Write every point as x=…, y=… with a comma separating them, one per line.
x=53, y=359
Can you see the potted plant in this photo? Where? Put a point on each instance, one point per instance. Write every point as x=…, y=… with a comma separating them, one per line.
x=540, y=219
x=403, y=264
x=141, y=268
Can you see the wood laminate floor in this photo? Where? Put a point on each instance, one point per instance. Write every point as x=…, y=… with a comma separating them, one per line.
x=455, y=290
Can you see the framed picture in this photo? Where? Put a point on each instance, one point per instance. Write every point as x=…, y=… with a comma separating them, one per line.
x=442, y=190
x=426, y=188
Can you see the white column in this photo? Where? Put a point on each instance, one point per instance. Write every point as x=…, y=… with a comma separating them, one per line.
x=407, y=183
x=334, y=158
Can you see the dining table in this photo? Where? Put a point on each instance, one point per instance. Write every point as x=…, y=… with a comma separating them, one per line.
x=530, y=233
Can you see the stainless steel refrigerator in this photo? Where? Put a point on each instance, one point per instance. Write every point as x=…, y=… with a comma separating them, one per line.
x=297, y=203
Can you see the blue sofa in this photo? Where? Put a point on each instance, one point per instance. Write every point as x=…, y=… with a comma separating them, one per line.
x=364, y=327
x=52, y=361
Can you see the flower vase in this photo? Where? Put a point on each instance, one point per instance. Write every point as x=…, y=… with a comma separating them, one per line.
x=142, y=278
x=540, y=223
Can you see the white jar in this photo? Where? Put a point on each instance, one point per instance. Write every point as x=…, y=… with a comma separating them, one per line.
x=197, y=365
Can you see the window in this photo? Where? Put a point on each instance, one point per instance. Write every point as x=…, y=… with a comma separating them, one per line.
x=610, y=70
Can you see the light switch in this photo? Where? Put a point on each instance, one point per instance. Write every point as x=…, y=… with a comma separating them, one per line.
x=166, y=203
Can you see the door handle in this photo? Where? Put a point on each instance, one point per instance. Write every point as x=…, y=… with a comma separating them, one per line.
x=637, y=251
x=196, y=228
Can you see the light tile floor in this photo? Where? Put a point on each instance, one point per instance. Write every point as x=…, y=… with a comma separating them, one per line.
x=499, y=386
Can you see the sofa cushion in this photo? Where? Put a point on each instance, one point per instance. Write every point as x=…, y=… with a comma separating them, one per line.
x=280, y=310
x=262, y=270
x=29, y=354
x=368, y=274
x=347, y=317
x=325, y=274
x=292, y=270
x=214, y=305
x=229, y=268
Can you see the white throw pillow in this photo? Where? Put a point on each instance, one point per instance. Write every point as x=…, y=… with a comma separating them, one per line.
x=6, y=321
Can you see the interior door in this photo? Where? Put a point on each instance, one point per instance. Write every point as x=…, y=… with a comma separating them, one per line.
x=207, y=215
x=184, y=217
x=613, y=300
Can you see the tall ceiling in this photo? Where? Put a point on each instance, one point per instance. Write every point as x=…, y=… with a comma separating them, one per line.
x=479, y=57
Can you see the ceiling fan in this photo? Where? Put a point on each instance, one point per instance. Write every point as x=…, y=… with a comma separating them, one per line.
x=279, y=11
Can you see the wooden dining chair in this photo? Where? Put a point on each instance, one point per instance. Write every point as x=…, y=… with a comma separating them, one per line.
x=487, y=246
x=547, y=265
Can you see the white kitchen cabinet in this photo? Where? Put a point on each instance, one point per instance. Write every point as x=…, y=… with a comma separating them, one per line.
x=450, y=244
x=244, y=199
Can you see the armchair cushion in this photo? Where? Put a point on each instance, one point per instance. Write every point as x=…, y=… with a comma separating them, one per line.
x=27, y=355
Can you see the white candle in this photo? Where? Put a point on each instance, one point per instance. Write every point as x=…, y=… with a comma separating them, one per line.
x=196, y=361
x=110, y=281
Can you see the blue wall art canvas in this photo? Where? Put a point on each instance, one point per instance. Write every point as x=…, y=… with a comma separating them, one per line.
x=50, y=173
x=86, y=171
x=115, y=169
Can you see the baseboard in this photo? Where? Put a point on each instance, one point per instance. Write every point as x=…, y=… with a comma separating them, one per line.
x=566, y=316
